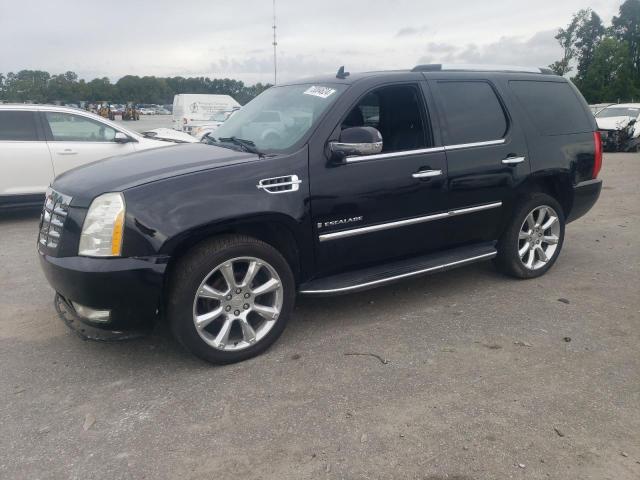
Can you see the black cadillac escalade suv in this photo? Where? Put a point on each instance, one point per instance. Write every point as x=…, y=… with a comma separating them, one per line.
x=324, y=186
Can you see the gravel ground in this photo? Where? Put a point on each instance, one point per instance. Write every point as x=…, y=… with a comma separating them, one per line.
x=487, y=377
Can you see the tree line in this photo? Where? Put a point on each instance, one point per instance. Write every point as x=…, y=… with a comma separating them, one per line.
x=604, y=61
x=41, y=87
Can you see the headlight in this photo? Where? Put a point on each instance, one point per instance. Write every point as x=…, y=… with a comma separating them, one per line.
x=103, y=227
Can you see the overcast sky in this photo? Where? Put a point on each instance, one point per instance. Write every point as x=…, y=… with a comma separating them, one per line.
x=232, y=38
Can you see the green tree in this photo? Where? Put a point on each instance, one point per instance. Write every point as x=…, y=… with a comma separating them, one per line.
x=626, y=27
x=27, y=86
x=610, y=77
x=566, y=37
x=100, y=89
x=589, y=33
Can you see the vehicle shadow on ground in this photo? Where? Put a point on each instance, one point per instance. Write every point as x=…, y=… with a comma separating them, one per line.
x=322, y=315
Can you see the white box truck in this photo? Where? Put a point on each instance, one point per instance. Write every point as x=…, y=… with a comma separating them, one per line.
x=191, y=110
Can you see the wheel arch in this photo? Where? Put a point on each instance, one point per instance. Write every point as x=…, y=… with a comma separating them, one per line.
x=280, y=231
x=554, y=183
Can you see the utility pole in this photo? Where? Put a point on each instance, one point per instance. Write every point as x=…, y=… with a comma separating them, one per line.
x=275, y=44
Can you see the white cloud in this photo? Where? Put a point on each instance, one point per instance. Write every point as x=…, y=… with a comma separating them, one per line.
x=223, y=38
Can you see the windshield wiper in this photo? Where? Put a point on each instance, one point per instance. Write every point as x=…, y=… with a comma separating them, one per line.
x=246, y=145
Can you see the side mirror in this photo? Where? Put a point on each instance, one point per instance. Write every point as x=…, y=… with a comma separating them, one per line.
x=121, y=138
x=356, y=141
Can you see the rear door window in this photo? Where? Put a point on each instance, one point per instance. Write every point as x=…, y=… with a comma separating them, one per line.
x=553, y=107
x=18, y=126
x=472, y=112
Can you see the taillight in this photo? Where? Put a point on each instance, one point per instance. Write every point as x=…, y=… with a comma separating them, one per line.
x=597, y=164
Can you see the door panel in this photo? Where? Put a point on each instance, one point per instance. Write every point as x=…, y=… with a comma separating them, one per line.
x=486, y=157
x=67, y=155
x=381, y=207
x=77, y=140
x=25, y=163
x=26, y=168
x=384, y=195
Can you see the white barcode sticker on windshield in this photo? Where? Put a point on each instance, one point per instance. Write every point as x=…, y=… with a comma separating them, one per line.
x=322, y=92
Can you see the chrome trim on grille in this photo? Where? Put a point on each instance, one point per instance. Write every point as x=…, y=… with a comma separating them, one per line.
x=409, y=221
x=52, y=220
x=398, y=277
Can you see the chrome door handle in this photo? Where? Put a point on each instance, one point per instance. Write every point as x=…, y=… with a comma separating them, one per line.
x=513, y=160
x=427, y=173
x=67, y=151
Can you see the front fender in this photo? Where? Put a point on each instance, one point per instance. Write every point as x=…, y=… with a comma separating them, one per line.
x=162, y=214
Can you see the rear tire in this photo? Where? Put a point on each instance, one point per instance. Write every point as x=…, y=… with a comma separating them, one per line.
x=230, y=298
x=532, y=241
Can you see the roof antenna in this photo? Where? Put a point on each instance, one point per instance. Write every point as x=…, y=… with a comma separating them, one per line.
x=341, y=73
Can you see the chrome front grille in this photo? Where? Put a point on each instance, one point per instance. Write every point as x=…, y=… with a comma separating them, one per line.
x=54, y=214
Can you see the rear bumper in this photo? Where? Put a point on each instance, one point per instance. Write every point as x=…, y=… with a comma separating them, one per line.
x=130, y=288
x=585, y=195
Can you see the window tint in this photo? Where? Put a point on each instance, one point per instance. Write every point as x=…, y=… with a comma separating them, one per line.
x=472, y=111
x=18, y=126
x=553, y=107
x=397, y=112
x=74, y=128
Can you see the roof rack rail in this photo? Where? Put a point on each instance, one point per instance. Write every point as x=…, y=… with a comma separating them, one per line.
x=444, y=67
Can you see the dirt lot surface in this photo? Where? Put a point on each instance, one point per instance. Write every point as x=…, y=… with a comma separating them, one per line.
x=487, y=377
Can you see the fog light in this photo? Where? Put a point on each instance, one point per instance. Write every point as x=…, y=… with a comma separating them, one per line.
x=97, y=316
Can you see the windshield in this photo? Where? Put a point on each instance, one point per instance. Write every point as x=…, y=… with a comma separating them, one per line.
x=280, y=116
x=619, y=112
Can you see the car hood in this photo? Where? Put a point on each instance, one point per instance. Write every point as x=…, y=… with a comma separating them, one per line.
x=613, y=123
x=119, y=173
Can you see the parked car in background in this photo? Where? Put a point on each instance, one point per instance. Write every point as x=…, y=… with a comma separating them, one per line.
x=596, y=107
x=189, y=109
x=170, y=135
x=205, y=127
x=38, y=142
x=341, y=183
x=619, y=125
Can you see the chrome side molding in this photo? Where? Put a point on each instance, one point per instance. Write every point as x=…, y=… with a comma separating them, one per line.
x=409, y=221
x=459, y=146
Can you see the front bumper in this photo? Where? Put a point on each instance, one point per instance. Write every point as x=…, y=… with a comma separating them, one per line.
x=131, y=288
x=585, y=195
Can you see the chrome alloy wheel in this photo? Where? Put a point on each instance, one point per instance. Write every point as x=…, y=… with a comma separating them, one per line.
x=237, y=303
x=538, y=238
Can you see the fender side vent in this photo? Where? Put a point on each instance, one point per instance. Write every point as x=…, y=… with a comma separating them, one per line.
x=290, y=183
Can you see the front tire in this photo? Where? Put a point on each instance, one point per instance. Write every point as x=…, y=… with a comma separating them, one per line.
x=230, y=298
x=532, y=241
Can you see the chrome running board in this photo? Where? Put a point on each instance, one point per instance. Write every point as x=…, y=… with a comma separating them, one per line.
x=380, y=275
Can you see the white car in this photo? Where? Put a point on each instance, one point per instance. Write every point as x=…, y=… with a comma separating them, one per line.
x=619, y=125
x=38, y=142
x=201, y=128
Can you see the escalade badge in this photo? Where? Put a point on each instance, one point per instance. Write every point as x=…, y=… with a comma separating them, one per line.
x=340, y=221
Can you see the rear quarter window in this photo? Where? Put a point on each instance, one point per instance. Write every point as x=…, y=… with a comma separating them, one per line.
x=553, y=107
x=472, y=112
